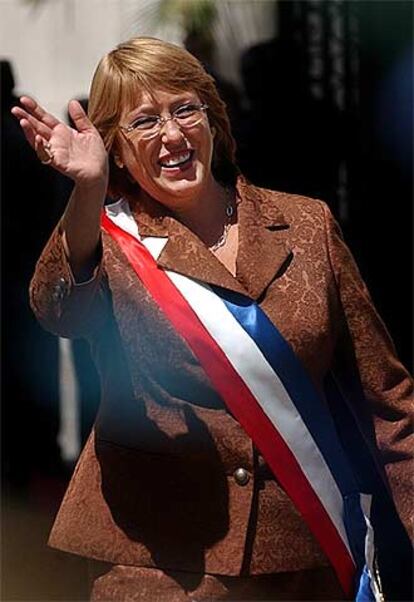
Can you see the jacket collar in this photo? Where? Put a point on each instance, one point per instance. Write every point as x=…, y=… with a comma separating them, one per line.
x=262, y=254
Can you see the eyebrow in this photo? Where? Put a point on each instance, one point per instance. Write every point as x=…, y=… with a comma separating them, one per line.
x=149, y=109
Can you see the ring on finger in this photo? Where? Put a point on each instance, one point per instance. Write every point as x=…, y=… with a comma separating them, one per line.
x=49, y=156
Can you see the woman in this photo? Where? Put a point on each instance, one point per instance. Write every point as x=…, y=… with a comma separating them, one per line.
x=233, y=455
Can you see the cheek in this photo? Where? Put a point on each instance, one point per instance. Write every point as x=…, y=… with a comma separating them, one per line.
x=140, y=163
x=207, y=146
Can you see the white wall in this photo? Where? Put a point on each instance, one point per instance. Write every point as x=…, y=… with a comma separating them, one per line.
x=55, y=44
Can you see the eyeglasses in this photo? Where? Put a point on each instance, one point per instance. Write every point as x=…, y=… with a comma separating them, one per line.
x=185, y=116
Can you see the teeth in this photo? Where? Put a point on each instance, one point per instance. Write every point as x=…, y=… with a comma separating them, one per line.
x=176, y=160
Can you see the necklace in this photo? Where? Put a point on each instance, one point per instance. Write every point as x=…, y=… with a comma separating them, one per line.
x=229, y=214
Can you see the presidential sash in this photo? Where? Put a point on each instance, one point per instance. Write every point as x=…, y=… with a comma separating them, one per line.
x=264, y=385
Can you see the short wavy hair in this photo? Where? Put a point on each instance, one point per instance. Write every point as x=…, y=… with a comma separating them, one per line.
x=146, y=64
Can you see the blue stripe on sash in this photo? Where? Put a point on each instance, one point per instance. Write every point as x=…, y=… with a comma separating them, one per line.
x=364, y=593
x=310, y=406
x=393, y=547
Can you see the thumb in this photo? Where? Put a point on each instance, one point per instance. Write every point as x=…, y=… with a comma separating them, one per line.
x=80, y=119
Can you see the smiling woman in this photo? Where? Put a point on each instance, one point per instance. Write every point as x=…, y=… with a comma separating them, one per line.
x=173, y=165
x=246, y=377
x=143, y=65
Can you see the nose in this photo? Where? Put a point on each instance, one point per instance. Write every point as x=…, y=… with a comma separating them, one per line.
x=171, y=131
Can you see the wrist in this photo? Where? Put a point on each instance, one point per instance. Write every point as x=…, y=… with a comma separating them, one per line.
x=96, y=184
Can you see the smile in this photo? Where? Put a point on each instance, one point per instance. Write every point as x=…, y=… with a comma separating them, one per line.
x=176, y=160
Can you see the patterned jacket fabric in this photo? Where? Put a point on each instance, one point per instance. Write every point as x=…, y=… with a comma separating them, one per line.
x=157, y=483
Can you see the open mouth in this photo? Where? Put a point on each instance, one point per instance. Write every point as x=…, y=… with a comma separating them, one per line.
x=173, y=161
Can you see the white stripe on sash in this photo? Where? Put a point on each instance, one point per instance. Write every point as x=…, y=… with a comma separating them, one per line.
x=263, y=382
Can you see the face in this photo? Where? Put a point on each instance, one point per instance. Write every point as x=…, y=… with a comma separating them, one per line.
x=174, y=166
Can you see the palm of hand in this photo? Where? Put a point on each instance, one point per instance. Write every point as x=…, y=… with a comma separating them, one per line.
x=79, y=155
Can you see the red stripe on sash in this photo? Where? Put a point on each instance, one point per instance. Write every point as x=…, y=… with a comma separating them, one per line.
x=239, y=400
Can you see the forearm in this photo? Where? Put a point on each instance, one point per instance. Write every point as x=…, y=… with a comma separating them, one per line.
x=81, y=227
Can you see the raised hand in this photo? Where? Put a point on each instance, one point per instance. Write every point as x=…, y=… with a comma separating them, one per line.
x=77, y=153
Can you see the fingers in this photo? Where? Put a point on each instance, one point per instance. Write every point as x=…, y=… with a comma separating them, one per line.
x=28, y=122
x=79, y=117
x=36, y=133
x=34, y=120
x=33, y=108
x=28, y=132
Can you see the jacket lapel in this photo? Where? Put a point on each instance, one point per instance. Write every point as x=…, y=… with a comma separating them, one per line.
x=262, y=255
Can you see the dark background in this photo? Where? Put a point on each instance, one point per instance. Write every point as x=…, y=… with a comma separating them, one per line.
x=358, y=156
x=329, y=116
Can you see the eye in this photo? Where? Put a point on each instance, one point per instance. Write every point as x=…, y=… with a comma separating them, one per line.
x=186, y=110
x=144, y=123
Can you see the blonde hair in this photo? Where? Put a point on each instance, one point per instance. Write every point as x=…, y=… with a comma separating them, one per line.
x=146, y=64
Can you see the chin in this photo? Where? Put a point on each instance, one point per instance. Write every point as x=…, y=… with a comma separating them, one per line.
x=180, y=187
x=183, y=188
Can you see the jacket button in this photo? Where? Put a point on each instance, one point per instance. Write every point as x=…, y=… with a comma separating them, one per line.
x=60, y=290
x=241, y=476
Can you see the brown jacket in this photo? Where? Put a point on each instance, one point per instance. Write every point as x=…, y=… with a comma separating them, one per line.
x=157, y=483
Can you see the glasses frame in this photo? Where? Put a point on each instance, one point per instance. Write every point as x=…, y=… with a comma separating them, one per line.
x=161, y=121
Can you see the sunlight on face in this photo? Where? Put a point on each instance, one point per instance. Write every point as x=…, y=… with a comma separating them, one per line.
x=174, y=165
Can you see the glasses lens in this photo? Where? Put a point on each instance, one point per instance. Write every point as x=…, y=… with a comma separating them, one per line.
x=148, y=133
x=189, y=115
x=186, y=117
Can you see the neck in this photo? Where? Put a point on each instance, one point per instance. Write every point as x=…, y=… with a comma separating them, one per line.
x=206, y=217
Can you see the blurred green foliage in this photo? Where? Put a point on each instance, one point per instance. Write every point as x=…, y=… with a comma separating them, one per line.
x=195, y=16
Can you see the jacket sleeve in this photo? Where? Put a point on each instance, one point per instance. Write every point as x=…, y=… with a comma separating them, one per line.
x=387, y=385
x=61, y=305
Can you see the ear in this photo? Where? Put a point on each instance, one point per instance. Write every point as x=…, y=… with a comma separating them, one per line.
x=213, y=131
